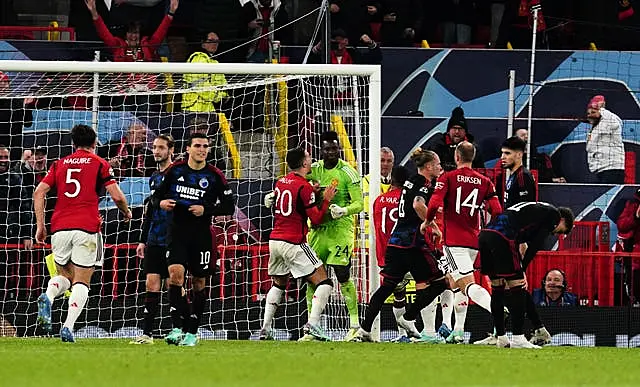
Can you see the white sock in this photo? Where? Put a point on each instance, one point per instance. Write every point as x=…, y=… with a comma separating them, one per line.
x=57, y=286
x=446, y=302
x=428, y=314
x=77, y=300
x=397, y=312
x=320, y=298
x=460, y=307
x=274, y=298
x=480, y=296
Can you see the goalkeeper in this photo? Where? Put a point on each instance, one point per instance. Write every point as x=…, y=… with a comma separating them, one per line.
x=334, y=238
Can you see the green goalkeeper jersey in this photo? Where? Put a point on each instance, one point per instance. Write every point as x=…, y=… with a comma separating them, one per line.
x=348, y=193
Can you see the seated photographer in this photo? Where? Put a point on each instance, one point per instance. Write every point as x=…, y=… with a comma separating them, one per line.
x=553, y=291
x=627, y=269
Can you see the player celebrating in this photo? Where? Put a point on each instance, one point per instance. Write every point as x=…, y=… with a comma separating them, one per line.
x=75, y=224
x=295, y=202
x=334, y=238
x=530, y=223
x=460, y=193
x=153, y=243
x=407, y=250
x=194, y=192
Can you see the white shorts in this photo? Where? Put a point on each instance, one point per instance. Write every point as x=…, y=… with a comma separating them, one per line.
x=458, y=261
x=299, y=260
x=78, y=247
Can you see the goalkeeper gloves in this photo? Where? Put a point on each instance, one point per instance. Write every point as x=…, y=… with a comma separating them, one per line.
x=337, y=212
x=269, y=199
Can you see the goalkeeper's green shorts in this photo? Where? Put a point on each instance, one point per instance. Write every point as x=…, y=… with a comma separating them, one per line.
x=334, y=245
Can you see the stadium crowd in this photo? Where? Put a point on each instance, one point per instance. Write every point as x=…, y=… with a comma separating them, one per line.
x=371, y=25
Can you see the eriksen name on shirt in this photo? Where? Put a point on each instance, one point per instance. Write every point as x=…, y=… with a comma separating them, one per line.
x=469, y=179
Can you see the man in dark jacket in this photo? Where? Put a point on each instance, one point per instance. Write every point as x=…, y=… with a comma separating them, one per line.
x=29, y=172
x=539, y=162
x=10, y=184
x=342, y=53
x=445, y=146
x=131, y=156
x=15, y=113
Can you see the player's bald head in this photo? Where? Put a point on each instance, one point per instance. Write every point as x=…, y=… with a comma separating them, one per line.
x=466, y=152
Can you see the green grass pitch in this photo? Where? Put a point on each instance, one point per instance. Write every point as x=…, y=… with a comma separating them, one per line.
x=109, y=362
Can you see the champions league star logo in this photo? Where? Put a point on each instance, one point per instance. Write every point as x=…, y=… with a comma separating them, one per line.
x=203, y=183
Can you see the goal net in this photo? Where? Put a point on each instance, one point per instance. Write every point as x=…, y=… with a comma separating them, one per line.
x=252, y=113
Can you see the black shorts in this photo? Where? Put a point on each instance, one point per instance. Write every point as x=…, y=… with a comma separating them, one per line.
x=193, y=248
x=155, y=261
x=420, y=262
x=499, y=256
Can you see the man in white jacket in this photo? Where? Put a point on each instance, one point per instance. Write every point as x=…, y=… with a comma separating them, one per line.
x=605, y=150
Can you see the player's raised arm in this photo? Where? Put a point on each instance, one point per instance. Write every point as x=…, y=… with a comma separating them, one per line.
x=314, y=213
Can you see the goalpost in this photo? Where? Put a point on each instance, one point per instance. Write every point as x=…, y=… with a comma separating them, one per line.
x=262, y=110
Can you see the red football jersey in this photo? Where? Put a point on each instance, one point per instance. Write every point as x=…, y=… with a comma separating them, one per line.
x=385, y=216
x=295, y=202
x=461, y=193
x=77, y=179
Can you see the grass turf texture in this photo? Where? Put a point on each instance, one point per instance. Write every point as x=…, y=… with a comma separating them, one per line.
x=110, y=362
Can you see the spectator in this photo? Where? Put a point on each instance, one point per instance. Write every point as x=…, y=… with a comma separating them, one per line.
x=10, y=184
x=9, y=227
x=401, y=22
x=15, y=113
x=340, y=10
x=497, y=10
x=539, y=162
x=372, y=21
x=516, y=25
x=204, y=101
x=605, y=149
x=553, y=291
x=458, y=17
x=445, y=147
x=341, y=53
x=131, y=156
x=339, y=101
x=261, y=18
x=31, y=170
x=387, y=160
x=628, y=224
x=133, y=48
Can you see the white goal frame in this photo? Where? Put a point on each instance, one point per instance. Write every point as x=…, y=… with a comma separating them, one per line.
x=373, y=72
